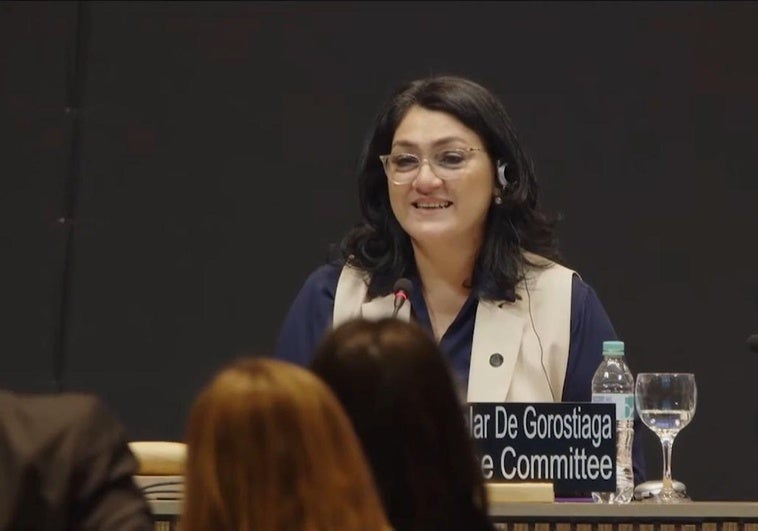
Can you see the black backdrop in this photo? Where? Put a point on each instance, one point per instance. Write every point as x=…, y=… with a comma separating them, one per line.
x=172, y=171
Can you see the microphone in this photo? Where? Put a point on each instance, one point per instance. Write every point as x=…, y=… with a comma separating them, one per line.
x=401, y=289
x=752, y=342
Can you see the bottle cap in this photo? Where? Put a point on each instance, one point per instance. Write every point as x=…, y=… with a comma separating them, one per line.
x=613, y=348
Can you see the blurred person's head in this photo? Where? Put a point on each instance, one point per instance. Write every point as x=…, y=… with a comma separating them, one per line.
x=270, y=449
x=66, y=464
x=399, y=393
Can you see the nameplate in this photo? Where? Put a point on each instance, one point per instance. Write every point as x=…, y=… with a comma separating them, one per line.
x=571, y=444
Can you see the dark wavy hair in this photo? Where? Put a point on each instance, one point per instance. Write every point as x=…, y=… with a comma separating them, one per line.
x=401, y=398
x=378, y=245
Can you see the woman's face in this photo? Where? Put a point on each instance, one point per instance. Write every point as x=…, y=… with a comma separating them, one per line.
x=447, y=201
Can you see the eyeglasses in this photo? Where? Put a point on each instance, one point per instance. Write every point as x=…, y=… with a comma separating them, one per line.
x=447, y=164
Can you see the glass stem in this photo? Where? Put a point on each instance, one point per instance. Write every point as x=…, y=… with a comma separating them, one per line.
x=668, y=487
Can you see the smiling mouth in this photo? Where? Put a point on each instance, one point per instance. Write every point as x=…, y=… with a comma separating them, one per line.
x=432, y=206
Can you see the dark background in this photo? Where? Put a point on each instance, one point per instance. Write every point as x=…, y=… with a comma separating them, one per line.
x=171, y=172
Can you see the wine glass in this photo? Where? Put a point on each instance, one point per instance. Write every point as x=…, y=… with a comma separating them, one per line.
x=666, y=404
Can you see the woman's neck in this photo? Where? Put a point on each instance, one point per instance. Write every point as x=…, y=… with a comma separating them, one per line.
x=445, y=274
x=445, y=268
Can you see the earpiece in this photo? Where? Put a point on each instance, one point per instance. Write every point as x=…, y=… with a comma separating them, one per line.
x=501, y=165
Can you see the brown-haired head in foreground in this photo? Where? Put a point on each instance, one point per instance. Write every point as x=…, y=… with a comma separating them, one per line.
x=399, y=393
x=270, y=449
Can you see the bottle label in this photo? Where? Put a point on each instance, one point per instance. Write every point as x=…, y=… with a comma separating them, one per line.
x=624, y=403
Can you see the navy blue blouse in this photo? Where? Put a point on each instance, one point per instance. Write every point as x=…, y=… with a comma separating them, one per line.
x=310, y=318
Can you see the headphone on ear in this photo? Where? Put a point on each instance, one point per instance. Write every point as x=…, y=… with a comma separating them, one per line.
x=501, y=165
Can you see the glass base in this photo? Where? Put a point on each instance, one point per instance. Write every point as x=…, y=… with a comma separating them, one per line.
x=676, y=497
x=650, y=492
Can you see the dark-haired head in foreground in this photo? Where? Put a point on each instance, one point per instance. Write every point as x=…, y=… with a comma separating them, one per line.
x=65, y=464
x=398, y=391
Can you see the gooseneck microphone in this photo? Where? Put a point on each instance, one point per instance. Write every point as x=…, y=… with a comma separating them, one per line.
x=401, y=289
x=752, y=342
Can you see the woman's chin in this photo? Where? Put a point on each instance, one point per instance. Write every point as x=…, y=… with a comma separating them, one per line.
x=433, y=234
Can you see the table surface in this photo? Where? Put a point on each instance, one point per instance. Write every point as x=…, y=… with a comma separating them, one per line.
x=693, y=510
x=540, y=510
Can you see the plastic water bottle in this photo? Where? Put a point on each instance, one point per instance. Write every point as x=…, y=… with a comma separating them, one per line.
x=613, y=383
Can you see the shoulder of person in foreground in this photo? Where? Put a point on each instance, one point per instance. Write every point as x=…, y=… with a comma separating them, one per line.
x=69, y=458
x=309, y=316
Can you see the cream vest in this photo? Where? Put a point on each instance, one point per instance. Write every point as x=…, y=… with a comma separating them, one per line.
x=501, y=327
